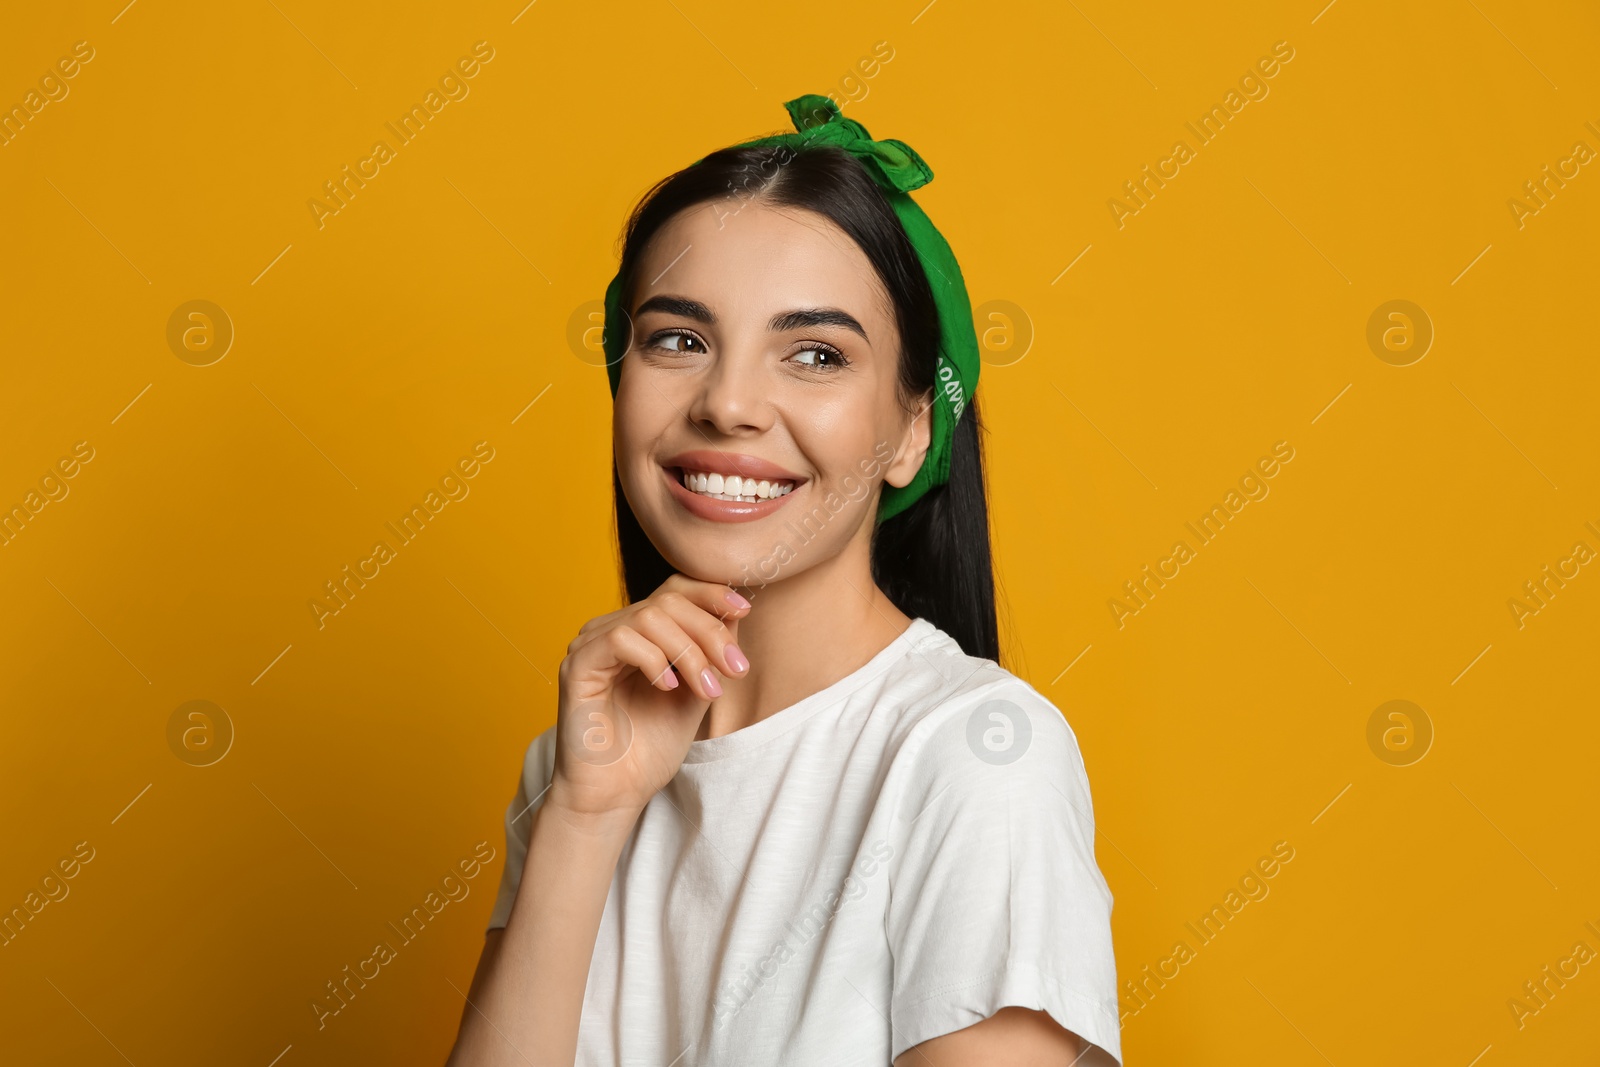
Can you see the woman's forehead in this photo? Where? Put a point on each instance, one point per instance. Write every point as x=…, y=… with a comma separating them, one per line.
x=760, y=261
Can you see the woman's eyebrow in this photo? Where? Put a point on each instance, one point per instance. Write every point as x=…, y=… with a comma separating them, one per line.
x=782, y=322
x=800, y=319
x=678, y=305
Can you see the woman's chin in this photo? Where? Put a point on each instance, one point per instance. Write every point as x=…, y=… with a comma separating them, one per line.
x=729, y=568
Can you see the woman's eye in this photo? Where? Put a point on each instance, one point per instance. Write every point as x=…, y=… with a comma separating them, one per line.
x=677, y=341
x=821, y=356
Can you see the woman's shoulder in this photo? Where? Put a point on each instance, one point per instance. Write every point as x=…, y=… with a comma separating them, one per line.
x=970, y=723
x=975, y=693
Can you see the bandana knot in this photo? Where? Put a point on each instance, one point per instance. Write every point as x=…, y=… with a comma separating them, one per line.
x=894, y=165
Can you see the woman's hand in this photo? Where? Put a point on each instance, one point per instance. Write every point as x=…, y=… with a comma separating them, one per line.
x=634, y=687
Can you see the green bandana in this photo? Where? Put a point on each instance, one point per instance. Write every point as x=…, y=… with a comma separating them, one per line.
x=897, y=169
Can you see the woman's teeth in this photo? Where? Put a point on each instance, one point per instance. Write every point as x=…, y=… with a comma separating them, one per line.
x=733, y=487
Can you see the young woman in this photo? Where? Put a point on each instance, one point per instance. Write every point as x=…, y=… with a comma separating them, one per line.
x=793, y=811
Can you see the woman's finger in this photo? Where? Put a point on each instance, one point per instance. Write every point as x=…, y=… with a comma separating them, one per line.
x=714, y=602
x=716, y=638
x=718, y=598
x=659, y=626
x=600, y=620
x=623, y=645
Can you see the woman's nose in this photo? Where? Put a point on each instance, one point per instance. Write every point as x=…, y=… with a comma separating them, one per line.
x=734, y=393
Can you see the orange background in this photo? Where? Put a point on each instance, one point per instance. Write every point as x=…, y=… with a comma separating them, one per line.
x=1126, y=395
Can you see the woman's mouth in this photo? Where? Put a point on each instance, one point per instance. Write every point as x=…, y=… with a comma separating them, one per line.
x=733, y=487
x=728, y=487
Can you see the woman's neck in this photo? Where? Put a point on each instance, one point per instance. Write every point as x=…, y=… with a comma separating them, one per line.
x=803, y=634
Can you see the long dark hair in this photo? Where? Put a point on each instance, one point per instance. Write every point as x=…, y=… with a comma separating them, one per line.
x=933, y=559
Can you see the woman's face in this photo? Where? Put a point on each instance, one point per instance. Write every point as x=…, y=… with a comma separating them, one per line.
x=764, y=363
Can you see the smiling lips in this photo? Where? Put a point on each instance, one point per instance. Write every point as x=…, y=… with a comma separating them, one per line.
x=728, y=486
x=732, y=487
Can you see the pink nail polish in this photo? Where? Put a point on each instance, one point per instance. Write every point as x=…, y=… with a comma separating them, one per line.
x=736, y=659
x=713, y=686
x=736, y=600
x=668, y=679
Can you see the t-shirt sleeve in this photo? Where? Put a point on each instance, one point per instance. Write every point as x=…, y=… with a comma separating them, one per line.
x=996, y=898
x=537, y=768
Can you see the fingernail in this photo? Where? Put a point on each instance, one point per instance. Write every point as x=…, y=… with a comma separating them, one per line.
x=736, y=659
x=668, y=679
x=736, y=600
x=709, y=680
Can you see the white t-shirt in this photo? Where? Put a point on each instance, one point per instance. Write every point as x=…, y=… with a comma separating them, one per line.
x=892, y=858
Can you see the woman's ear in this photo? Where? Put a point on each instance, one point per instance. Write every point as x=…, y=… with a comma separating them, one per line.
x=913, y=444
